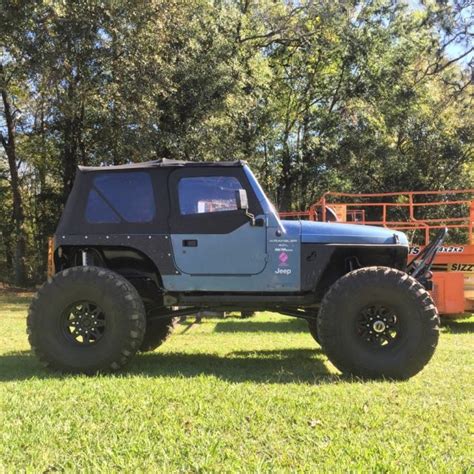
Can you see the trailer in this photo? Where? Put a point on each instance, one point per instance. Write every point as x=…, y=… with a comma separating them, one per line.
x=420, y=214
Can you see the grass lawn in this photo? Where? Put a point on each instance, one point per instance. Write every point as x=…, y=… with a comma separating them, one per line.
x=234, y=395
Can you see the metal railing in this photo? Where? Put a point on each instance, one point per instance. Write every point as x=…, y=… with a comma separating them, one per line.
x=380, y=208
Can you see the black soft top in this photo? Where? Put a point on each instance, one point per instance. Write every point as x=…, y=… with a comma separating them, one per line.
x=86, y=197
x=163, y=163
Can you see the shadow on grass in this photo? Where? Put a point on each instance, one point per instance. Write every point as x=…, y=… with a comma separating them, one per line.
x=271, y=366
x=290, y=325
x=458, y=326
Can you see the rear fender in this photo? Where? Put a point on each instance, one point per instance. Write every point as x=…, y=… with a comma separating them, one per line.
x=132, y=264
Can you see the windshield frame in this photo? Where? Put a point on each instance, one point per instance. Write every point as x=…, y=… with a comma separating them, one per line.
x=267, y=206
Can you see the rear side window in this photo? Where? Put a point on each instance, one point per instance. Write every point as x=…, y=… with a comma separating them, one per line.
x=121, y=197
x=205, y=194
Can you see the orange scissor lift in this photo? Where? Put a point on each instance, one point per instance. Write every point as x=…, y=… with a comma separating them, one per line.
x=420, y=214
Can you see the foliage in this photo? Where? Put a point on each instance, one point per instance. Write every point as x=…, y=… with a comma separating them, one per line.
x=362, y=95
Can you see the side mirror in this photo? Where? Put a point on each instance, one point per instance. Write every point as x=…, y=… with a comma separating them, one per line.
x=243, y=204
x=242, y=200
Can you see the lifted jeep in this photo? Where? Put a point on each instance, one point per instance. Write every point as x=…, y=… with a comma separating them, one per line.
x=140, y=245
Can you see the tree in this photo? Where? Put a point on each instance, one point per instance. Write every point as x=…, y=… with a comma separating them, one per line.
x=8, y=142
x=358, y=96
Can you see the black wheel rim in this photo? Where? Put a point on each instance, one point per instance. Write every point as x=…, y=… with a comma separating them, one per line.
x=378, y=326
x=83, y=323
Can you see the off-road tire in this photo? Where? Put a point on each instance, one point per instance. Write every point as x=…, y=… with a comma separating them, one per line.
x=122, y=311
x=313, y=329
x=157, y=332
x=416, y=316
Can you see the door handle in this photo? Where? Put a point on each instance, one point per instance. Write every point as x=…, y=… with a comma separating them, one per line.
x=190, y=243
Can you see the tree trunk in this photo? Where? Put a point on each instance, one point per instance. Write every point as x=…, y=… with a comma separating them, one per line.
x=18, y=214
x=286, y=178
x=72, y=136
x=68, y=158
x=8, y=253
x=305, y=194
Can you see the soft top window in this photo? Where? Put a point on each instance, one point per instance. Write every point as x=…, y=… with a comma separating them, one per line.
x=205, y=194
x=121, y=197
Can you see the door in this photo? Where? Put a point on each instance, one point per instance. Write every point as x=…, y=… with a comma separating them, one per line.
x=209, y=234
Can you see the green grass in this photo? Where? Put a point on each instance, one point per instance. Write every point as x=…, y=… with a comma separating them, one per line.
x=234, y=395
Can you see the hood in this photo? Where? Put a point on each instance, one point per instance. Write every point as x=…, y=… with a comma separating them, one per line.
x=338, y=233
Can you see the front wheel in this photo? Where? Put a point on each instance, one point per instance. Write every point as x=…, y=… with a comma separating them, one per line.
x=378, y=322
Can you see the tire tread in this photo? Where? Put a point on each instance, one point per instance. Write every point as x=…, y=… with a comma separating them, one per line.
x=71, y=276
x=328, y=322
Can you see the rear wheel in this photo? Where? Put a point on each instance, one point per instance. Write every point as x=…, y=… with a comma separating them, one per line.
x=313, y=329
x=378, y=322
x=86, y=319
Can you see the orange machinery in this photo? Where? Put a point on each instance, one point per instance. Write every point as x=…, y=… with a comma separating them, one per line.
x=420, y=214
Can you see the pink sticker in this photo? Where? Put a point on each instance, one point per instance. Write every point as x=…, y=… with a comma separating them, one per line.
x=283, y=257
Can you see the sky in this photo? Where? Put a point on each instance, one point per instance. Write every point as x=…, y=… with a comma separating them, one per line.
x=454, y=50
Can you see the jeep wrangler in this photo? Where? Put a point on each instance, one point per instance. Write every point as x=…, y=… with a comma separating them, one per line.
x=140, y=245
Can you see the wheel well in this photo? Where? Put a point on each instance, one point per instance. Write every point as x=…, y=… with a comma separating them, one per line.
x=132, y=264
x=346, y=259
